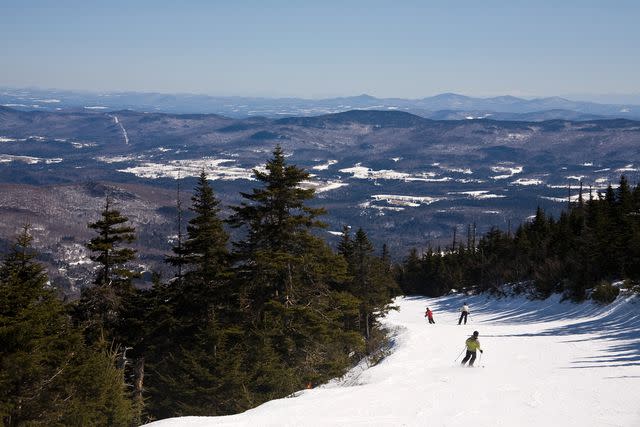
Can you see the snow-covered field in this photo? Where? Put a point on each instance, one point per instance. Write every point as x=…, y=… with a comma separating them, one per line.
x=545, y=363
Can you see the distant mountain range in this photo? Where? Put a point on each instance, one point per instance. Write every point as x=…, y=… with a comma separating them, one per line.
x=447, y=106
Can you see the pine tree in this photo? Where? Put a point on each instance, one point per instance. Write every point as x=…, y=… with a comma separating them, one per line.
x=111, y=311
x=278, y=224
x=411, y=277
x=385, y=257
x=47, y=374
x=107, y=246
x=345, y=246
x=205, y=250
x=178, y=260
x=194, y=338
x=297, y=321
x=103, y=304
x=360, y=266
x=23, y=279
x=371, y=282
x=204, y=260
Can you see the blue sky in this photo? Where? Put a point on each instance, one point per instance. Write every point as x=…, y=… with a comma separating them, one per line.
x=323, y=48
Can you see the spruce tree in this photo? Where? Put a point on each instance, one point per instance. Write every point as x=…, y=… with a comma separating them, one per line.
x=178, y=260
x=385, y=257
x=345, y=246
x=205, y=250
x=112, y=310
x=103, y=304
x=297, y=319
x=113, y=232
x=47, y=374
x=278, y=223
x=371, y=282
x=411, y=276
x=195, y=341
x=202, y=289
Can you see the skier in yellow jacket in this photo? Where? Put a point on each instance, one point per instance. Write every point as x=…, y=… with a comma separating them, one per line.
x=473, y=345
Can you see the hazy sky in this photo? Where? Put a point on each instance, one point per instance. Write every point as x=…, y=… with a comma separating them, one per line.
x=323, y=48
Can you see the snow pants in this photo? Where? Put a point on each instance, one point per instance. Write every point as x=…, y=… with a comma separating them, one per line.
x=470, y=355
x=464, y=315
x=431, y=320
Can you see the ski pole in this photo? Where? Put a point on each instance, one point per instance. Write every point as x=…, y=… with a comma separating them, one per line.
x=459, y=354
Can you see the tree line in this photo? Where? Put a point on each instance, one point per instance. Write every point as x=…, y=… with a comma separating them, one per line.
x=593, y=243
x=240, y=322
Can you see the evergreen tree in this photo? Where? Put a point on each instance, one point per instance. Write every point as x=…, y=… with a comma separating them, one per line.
x=278, y=224
x=103, y=304
x=178, y=259
x=47, y=374
x=297, y=319
x=204, y=259
x=411, y=276
x=386, y=257
x=371, y=281
x=205, y=250
x=195, y=341
x=107, y=247
x=345, y=246
x=112, y=310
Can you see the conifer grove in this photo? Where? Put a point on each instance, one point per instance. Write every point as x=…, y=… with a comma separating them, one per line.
x=593, y=243
x=239, y=323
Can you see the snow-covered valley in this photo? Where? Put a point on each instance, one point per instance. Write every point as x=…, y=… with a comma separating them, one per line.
x=407, y=181
x=545, y=363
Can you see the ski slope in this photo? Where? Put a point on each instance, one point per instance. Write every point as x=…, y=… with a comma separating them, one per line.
x=545, y=363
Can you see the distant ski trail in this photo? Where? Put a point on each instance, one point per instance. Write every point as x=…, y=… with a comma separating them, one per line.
x=124, y=131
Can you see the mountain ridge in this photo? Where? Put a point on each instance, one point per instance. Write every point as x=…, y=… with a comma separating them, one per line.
x=244, y=106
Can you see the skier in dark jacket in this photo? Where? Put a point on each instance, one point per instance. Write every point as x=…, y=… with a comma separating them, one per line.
x=429, y=315
x=473, y=345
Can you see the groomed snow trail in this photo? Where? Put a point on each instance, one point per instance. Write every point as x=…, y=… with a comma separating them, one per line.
x=545, y=363
x=124, y=131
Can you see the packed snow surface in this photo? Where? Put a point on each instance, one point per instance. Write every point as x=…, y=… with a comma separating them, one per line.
x=122, y=129
x=545, y=363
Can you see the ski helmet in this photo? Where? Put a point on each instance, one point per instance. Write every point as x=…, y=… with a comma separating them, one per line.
x=475, y=333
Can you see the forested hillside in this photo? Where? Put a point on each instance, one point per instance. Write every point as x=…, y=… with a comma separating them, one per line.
x=240, y=322
x=594, y=242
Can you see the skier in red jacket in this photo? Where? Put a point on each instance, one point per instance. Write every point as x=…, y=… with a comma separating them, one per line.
x=429, y=315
